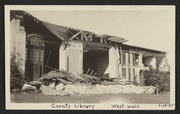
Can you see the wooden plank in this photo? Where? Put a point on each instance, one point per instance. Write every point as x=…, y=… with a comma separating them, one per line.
x=91, y=72
x=103, y=39
x=95, y=74
x=90, y=37
x=63, y=81
x=95, y=44
x=75, y=36
x=84, y=35
x=88, y=70
x=47, y=60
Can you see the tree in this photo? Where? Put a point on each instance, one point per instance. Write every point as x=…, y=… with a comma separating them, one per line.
x=16, y=73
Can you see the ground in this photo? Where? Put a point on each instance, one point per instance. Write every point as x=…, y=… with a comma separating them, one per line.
x=162, y=98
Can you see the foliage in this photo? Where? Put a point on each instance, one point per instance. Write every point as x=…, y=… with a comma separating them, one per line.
x=164, y=66
x=160, y=79
x=158, y=61
x=16, y=73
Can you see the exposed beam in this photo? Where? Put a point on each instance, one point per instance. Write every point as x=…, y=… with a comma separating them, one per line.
x=95, y=44
x=103, y=39
x=75, y=35
x=90, y=37
x=84, y=35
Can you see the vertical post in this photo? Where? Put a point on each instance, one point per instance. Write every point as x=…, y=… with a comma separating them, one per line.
x=62, y=59
x=140, y=60
x=131, y=66
x=113, y=63
x=127, y=68
x=121, y=59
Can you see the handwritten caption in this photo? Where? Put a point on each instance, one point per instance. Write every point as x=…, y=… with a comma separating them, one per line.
x=122, y=106
x=66, y=106
x=166, y=105
x=70, y=106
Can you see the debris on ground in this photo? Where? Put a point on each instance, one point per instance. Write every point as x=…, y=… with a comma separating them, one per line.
x=68, y=78
x=27, y=87
x=106, y=89
x=50, y=91
x=60, y=87
x=59, y=82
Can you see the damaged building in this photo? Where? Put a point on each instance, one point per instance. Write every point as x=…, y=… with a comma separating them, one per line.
x=44, y=46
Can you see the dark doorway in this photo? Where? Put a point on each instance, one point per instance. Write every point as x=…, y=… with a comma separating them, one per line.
x=51, y=56
x=95, y=62
x=34, y=57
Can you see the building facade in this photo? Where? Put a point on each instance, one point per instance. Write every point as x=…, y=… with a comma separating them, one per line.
x=44, y=47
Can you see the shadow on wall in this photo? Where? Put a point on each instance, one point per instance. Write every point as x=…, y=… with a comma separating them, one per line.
x=149, y=61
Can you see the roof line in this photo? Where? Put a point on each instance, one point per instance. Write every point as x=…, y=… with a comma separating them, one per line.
x=72, y=28
x=144, y=48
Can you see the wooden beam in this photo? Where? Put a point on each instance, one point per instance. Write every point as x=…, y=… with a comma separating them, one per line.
x=88, y=70
x=75, y=36
x=95, y=44
x=70, y=32
x=90, y=37
x=103, y=39
x=91, y=72
x=84, y=35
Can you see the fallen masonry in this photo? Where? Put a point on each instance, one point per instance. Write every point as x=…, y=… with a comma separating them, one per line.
x=66, y=83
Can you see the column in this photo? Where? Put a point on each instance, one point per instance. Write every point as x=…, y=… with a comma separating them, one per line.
x=131, y=66
x=62, y=58
x=127, y=68
x=113, y=62
x=18, y=41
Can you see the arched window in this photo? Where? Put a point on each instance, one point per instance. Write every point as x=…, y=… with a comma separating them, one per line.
x=34, y=57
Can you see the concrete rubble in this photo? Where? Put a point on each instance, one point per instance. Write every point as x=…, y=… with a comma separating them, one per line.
x=97, y=89
x=27, y=87
x=65, y=83
x=49, y=91
x=104, y=89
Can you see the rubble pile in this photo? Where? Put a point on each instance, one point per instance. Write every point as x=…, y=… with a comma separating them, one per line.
x=68, y=78
x=104, y=89
x=66, y=83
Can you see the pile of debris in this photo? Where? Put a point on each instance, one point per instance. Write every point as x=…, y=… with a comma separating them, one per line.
x=107, y=89
x=64, y=83
x=68, y=78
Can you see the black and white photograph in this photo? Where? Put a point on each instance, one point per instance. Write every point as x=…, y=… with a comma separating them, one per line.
x=90, y=57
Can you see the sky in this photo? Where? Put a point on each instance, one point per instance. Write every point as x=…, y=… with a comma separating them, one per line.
x=152, y=28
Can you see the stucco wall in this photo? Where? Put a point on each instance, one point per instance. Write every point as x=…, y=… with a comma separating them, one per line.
x=113, y=62
x=71, y=57
x=18, y=40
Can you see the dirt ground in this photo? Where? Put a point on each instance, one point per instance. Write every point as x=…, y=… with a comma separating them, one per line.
x=162, y=98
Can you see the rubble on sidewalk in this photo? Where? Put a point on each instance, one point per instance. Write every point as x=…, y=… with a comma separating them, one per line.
x=60, y=87
x=59, y=82
x=27, y=87
x=49, y=91
x=107, y=89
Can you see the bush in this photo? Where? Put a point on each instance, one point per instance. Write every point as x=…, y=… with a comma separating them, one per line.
x=16, y=73
x=154, y=77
